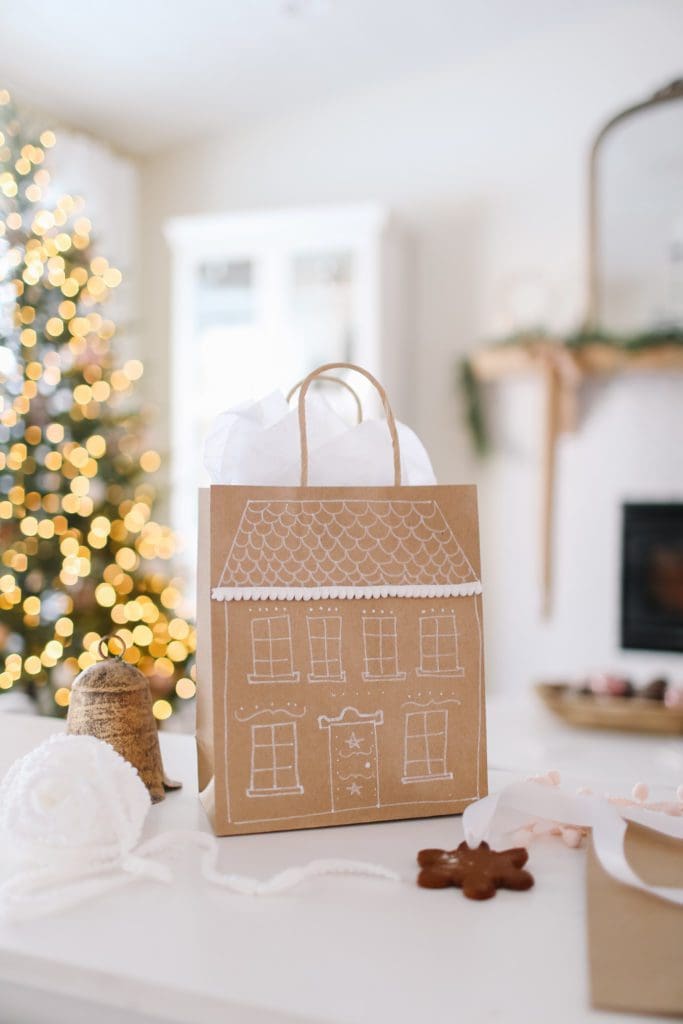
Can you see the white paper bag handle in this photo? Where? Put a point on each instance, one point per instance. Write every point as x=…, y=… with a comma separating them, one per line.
x=391, y=422
x=335, y=380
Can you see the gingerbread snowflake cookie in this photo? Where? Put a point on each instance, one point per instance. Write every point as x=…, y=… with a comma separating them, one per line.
x=478, y=872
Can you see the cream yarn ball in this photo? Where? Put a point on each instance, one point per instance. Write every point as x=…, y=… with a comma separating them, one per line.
x=71, y=803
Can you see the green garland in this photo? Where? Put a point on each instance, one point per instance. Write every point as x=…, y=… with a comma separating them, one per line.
x=474, y=411
x=470, y=386
x=629, y=343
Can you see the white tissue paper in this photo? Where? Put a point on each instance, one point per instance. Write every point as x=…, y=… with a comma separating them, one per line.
x=257, y=444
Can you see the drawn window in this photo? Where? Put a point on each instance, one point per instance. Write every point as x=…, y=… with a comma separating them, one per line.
x=274, y=760
x=271, y=641
x=380, y=642
x=425, y=746
x=439, y=646
x=324, y=646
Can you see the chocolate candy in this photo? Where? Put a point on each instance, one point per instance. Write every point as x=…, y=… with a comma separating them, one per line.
x=656, y=690
x=478, y=872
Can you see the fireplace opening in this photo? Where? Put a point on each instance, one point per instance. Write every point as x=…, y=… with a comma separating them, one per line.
x=652, y=577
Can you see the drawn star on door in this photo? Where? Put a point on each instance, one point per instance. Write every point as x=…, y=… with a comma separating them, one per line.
x=354, y=758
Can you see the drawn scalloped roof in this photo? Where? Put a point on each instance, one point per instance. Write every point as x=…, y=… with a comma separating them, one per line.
x=344, y=548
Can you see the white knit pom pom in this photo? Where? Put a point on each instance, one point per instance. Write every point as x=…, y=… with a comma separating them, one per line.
x=72, y=801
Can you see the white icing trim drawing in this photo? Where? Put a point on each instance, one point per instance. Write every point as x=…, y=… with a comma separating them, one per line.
x=352, y=753
x=351, y=547
x=268, y=711
x=325, y=649
x=439, y=647
x=344, y=593
x=354, y=743
x=380, y=649
x=359, y=723
x=481, y=724
x=274, y=760
x=460, y=801
x=433, y=703
x=272, y=654
x=425, y=746
x=224, y=701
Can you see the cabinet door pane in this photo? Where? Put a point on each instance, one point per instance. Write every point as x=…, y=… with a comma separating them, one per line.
x=225, y=292
x=321, y=305
x=228, y=330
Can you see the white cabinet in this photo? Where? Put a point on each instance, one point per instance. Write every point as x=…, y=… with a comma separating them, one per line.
x=260, y=299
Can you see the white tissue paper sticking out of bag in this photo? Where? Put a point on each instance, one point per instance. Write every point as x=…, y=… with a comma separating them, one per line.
x=257, y=444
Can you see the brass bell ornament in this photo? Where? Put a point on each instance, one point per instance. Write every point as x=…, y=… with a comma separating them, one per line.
x=111, y=701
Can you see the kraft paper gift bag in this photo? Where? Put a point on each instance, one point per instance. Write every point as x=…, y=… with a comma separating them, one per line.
x=340, y=649
x=635, y=939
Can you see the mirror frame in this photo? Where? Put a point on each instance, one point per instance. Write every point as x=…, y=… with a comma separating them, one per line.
x=671, y=92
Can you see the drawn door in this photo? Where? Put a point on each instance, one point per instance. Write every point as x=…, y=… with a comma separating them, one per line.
x=354, y=759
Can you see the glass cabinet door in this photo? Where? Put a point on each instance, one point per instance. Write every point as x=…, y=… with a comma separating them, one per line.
x=227, y=335
x=321, y=306
x=262, y=324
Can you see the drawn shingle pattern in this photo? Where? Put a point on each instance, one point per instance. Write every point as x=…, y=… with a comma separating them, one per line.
x=345, y=543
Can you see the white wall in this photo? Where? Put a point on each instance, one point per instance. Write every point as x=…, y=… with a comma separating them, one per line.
x=629, y=447
x=484, y=162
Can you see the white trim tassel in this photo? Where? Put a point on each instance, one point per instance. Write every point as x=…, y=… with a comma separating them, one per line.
x=341, y=593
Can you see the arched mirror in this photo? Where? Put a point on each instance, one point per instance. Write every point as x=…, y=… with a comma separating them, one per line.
x=635, y=234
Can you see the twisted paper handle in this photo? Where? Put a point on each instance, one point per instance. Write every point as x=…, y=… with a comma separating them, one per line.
x=391, y=422
x=330, y=378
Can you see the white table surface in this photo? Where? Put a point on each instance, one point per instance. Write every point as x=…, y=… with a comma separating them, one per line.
x=335, y=949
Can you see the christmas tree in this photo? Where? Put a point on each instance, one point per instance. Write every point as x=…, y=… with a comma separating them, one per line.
x=82, y=556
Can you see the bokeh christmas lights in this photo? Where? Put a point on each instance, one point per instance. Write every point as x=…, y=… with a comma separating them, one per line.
x=82, y=555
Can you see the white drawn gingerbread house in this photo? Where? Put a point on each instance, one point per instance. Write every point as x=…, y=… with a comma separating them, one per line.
x=353, y=674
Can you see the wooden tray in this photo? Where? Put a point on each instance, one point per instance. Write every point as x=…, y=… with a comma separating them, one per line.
x=628, y=714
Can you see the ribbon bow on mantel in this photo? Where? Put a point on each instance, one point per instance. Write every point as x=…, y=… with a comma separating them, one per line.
x=561, y=371
x=562, y=376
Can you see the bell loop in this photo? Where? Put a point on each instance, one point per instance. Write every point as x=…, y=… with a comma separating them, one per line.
x=105, y=650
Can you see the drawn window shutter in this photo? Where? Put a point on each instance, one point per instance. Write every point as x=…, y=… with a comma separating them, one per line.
x=274, y=760
x=273, y=659
x=324, y=646
x=425, y=746
x=380, y=642
x=439, y=646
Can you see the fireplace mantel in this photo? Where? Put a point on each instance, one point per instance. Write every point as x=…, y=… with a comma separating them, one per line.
x=563, y=368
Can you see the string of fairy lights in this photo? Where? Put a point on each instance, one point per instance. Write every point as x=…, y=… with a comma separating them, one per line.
x=82, y=555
